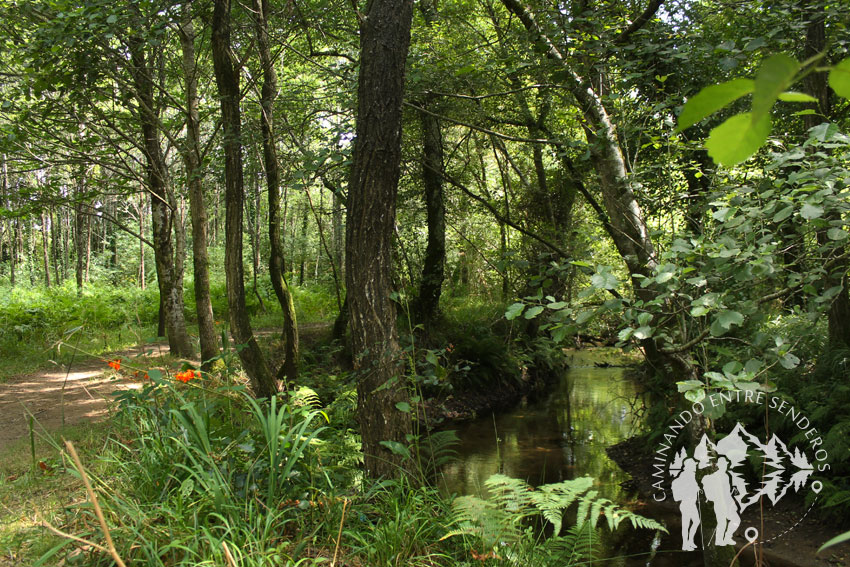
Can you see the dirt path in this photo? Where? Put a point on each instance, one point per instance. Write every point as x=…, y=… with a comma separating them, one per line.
x=81, y=395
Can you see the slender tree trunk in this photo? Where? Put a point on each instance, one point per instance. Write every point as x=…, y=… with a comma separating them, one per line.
x=303, y=253
x=197, y=207
x=30, y=256
x=88, y=231
x=55, y=241
x=66, y=247
x=626, y=224
x=434, y=265
x=338, y=233
x=142, y=211
x=254, y=237
x=373, y=187
x=44, y=248
x=227, y=80
x=163, y=212
x=277, y=266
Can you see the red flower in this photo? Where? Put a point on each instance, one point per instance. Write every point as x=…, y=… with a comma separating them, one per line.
x=116, y=364
x=185, y=376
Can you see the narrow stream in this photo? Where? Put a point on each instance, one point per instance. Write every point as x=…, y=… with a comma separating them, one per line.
x=557, y=437
x=561, y=436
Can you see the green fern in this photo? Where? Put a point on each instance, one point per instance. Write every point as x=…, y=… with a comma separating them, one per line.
x=499, y=520
x=438, y=449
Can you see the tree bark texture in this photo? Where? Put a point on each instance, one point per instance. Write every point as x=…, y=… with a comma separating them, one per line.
x=373, y=186
x=227, y=80
x=162, y=213
x=434, y=264
x=197, y=208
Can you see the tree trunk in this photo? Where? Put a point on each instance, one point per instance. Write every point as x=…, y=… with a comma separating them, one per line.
x=197, y=208
x=626, y=224
x=55, y=241
x=303, y=254
x=227, y=80
x=44, y=249
x=142, y=210
x=373, y=186
x=277, y=266
x=838, y=317
x=434, y=264
x=254, y=237
x=163, y=212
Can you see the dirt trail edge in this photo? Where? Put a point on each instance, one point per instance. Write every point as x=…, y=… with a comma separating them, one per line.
x=81, y=395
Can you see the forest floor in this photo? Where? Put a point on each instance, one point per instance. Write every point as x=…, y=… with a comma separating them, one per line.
x=60, y=397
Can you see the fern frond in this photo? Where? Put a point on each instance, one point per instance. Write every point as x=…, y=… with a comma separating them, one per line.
x=439, y=449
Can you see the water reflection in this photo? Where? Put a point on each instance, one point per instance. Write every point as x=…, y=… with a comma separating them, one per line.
x=559, y=437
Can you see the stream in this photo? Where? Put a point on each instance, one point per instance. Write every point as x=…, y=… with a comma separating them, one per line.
x=561, y=436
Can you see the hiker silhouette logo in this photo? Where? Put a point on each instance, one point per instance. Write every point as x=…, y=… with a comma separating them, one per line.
x=710, y=481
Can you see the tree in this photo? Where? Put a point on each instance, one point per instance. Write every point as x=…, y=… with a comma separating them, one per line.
x=192, y=159
x=277, y=267
x=227, y=80
x=372, y=191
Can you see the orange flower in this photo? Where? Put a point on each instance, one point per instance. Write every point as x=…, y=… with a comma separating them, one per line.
x=185, y=376
x=116, y=364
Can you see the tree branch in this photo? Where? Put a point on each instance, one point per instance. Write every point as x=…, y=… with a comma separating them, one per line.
x=641, y=20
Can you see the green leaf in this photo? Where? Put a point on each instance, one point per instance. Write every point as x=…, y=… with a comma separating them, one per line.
x=688, y=385
x=793, y=96
x=789, y=361
x=585, y=316
x=839, y=78
x=837, y=234
x=695, y=395
x=514, y=311
x=604, y=280
x=711, y=99
x=737, y=138
x=642, y=333
x=403, y=407
x=835, y=541
x=823, y=132
x=559, y=334
x=397, y=448
x=727, y=318
x=783, y=214
x=714, y=411
x=774, y=76
x=810, y=212
x=533, y=312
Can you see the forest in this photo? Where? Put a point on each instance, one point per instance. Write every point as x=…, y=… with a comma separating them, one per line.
x=435, y=283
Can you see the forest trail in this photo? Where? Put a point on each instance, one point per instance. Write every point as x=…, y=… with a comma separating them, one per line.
x=87, y=391
x=83, y=394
